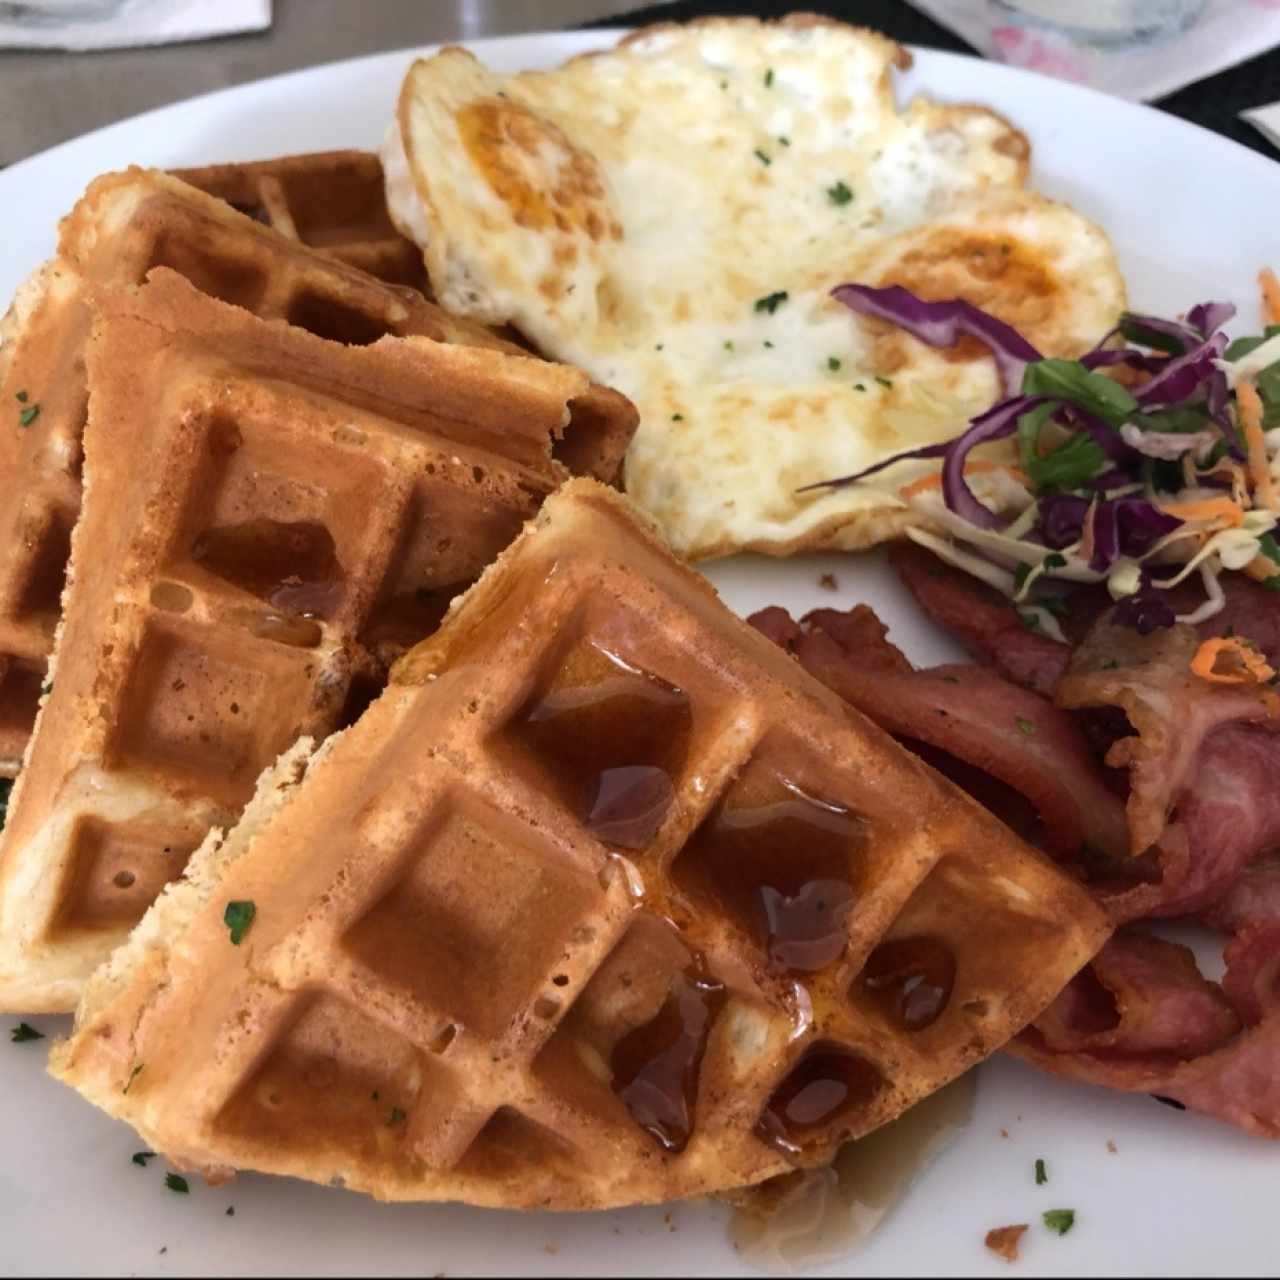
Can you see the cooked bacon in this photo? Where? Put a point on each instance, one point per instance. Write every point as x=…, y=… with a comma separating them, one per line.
x=1169, y=1051
x=1252, y=979
x=1171, y=710
x=1230, y=813
x=1005, y=1241
x=981, y=619
x=1253, y=898
x=1141, y=994
x=990, y=628
x=1199, y=835
x=776, y=624
x=969, y=713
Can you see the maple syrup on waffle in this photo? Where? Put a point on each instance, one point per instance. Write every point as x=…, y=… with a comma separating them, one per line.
x=655, y=1066
x=828, y=1082
x=292, y=566
x=911, y=980
x=815, y=1216
x=784, y=870
x=614, y=739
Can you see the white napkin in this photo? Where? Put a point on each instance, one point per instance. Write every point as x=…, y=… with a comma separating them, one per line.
x=1223, y=33
x=53, y=25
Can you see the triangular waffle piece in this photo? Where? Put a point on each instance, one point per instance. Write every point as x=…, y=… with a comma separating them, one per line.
x=604, y=901
x=331, y=200
x=126, y=224
x=269, y=520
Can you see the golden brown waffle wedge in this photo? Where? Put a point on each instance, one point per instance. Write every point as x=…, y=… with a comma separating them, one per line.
x=605, y=900
x=269, y=520
x=330, y=200
x=126, y=224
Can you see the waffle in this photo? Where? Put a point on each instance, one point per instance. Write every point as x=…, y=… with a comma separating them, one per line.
x=330, y=200
x=125, y=225
x=604, y=901
x=269, y=521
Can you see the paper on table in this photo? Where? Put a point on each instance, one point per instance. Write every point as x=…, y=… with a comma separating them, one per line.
x=135, y=22
x=1225, y=32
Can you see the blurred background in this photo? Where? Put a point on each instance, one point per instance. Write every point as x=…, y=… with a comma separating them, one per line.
x=69, y=66
x=48, y=95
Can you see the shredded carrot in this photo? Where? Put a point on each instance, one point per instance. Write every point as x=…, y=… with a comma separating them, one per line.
x=975, y=467
x=1249, y=403
x=1261, y=567
x=1246, y=665
x=1270, y=295
x=1206, y=509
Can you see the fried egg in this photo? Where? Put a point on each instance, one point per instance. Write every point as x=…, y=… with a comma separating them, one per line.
x=672, y=214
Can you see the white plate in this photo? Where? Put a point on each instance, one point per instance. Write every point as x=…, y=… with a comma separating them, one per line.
x=1193, y=217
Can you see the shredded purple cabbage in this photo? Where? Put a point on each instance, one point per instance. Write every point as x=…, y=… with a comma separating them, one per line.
x=1206, y=318
x=1127, y=527
x=1182, y=376
x=995, y=424
x=1061, y=519
x=1147, y=610
x=1121, y=527
x=941, y=324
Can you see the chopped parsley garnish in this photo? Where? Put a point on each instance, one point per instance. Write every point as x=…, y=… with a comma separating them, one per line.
x=23, y=1032
x=833, y=364
x=768, y=79
x=677, y=417
x=1069, y=380
x=1025, y=727
x=397, y=1117
x=140, y=1158
x=176, y=1182
x=1132, y=329
x=133, y=1075
x=1060, y=1220
x=1041, y=1175
x=1054, y=561
x=884, y=382
x=762, y=156
x=28, y=415
x=771, y=301
x=238, y=917
x=782, y=138
x=768, y=344
x=839, y=194
x=1066, y=467
x=1020, y=575
x=728, y=346
x=658, y=346
x=21, y=397
x=859, y=386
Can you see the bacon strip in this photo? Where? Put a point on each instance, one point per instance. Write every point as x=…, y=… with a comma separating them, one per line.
x=1253, y=898
x=1141, y=994
x=1171, y=710
x=981, y=619
x=970, y=714
x=1163, y=1040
